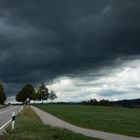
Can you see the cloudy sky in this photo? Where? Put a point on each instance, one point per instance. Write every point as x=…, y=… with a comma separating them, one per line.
x=81, y=49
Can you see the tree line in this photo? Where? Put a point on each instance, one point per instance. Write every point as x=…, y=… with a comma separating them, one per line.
x=2, y=93
x=28, y=91
x=96, y=102
x=133, y=103
x=37, y=94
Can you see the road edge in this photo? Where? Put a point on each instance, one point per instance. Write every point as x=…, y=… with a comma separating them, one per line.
x=2, y=128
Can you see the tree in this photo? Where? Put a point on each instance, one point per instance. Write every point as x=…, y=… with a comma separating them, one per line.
x=93, y=101
x=104, y=102
x=52, y=95
x=35, y=96
x=2, y=93
x=26, y=92
x=43, y=93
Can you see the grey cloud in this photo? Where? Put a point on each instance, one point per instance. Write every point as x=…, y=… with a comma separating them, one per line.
x=109, y=93
x=40, y=41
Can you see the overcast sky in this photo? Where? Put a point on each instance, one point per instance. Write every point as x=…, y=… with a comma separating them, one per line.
x=81, y=49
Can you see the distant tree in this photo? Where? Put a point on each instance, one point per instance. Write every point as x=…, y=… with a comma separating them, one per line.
x=93, y=101
x=2, y=93
x=42, y=93
x=52, y=95
x=104, y=102
x=26, y=92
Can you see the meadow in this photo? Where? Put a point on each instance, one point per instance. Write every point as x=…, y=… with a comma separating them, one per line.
x=29, y=127
x=119, y=120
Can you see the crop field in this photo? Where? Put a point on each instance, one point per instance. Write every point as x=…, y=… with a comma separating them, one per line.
x=119, y=120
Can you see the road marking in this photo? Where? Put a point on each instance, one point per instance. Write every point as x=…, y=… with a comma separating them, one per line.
x=20, y=109
x=10, y=119
x=5, y=124
x=8, y=109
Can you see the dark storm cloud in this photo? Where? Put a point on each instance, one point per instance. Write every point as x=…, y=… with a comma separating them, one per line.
x=41, y=40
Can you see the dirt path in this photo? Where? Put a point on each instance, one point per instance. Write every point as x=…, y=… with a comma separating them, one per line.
x=54, y=121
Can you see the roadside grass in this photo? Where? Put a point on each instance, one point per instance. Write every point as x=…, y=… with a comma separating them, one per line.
x=119, y=120
x=1, y=106
x=29, y=127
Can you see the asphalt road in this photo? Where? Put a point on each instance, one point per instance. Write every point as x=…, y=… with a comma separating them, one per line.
x=6, y=115
x=54, y=121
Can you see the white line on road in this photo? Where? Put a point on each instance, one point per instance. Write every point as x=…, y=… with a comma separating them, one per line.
x=10, y=119
x=5, y=124
x=20, y=109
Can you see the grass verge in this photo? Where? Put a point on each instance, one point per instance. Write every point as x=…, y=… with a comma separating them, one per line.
x=29, y=127
x=119, y=120
x=3, y=106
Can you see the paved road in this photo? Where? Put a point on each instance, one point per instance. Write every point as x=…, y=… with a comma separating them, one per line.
x=6, y=114
x=53, y=121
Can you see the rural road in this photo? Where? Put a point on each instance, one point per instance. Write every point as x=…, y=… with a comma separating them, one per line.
x=56, y=122
x=6, y=114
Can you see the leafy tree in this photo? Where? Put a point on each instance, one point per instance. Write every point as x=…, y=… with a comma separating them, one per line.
x=93, y=101
x=2, y=93
x=52, y=95
x=104, y=102
x=43, y=93
x=35, y=96
x=26, y=92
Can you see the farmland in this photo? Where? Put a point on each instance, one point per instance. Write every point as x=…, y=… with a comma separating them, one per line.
x=119, y=120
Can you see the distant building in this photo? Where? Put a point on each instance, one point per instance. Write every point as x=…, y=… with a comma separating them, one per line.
x=27, y=101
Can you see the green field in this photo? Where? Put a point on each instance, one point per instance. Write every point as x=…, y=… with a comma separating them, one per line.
x=29, y=127
x=111, y=119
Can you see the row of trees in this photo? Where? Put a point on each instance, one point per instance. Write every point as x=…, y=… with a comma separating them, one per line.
x=134, y=103
x=95, y=102
x=42, y=93
x=2, y=93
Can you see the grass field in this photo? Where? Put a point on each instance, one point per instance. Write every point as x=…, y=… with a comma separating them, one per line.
x=29, y=127
x=111, y=119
